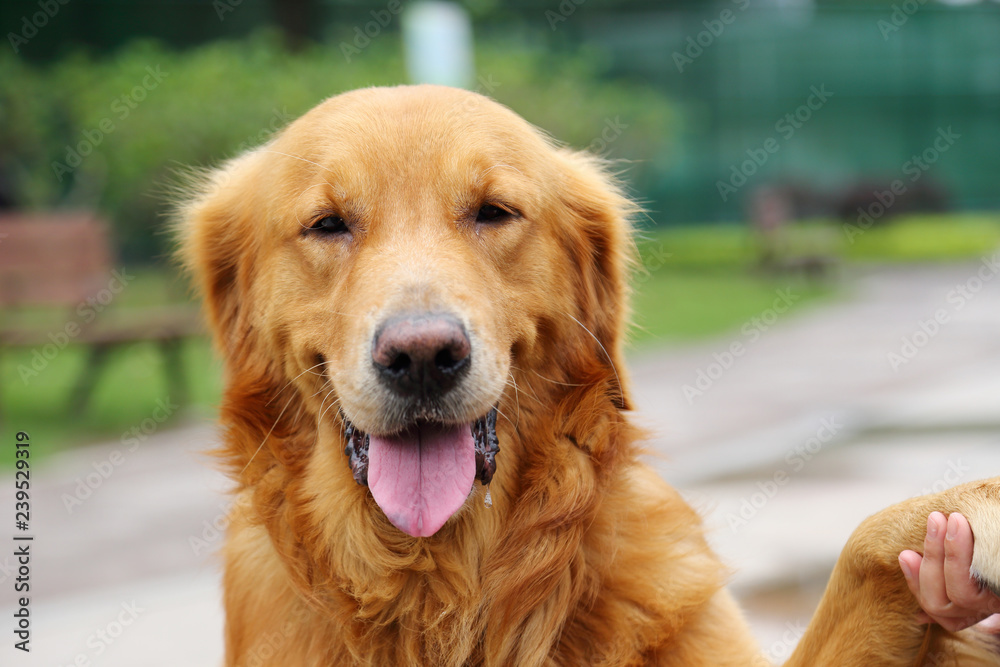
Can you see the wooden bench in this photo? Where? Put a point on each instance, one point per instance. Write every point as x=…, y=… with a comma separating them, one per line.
x=58, y=285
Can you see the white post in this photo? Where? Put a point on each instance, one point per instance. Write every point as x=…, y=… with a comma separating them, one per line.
x=437, y=43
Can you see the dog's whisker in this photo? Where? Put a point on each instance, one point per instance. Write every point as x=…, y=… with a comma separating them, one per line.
x=533, y=395
x=531, y=388
x=329, y=394
x=279, y=392
x=297, y=157
x=565, y=384
x=611, y=362
x=517, y=399
x=303, y=192
x=298, y=415
x=499, y=165
x=268, y=435
x=323, y=388
x=332, y=405
x=509, y=421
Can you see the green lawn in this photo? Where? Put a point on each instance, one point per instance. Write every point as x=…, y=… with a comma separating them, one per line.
x=682, y=305
x=694, y=282
x=131, y=394
x=132, y=389
x=928, y=238
x=701, y=281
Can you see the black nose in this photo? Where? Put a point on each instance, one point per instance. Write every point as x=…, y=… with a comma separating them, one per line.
x=422, y=354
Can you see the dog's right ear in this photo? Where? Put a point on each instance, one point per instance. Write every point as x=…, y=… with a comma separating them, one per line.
x=213, y=224
x=218, y=218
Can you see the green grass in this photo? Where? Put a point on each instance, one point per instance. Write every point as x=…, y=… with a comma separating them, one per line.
x=922, y=238
x=35, y=394
x=927, y=239
x=694, y=282
x=702, y=280
x=683, y=305
x=131, y=387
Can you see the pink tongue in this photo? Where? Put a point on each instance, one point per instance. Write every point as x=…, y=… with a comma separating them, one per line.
x=422, y=476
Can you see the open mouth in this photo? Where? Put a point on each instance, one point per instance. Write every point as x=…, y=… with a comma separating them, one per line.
x=422, y=475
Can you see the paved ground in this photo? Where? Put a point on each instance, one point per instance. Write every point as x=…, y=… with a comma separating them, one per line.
x=785, y=447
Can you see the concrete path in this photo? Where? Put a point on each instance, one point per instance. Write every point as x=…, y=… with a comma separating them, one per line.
x=784, y=446
x=123, y=571
x=826, y=417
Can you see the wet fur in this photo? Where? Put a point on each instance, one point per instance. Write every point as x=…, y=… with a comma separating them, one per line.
x=587, y=557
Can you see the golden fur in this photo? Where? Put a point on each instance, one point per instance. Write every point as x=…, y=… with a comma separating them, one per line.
x=586, y=557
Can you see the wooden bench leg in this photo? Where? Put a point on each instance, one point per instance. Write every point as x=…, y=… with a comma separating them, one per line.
x=96, y=358
x=174, y=368
x=1, y=388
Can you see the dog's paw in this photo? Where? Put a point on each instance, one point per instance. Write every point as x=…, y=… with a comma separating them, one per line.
x=986, y=549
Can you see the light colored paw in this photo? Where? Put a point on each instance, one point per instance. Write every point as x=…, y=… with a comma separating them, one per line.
x=986, y=552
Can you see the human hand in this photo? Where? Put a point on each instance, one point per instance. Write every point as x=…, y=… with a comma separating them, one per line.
x=940, y=579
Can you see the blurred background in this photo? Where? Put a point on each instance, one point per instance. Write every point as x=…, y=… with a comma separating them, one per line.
x=816, y=309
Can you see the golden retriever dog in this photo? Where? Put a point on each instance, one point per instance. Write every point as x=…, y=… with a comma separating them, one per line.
x=421, y=302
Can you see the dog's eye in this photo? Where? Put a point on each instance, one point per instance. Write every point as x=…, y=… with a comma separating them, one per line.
x=331, y=224
x=490, y=213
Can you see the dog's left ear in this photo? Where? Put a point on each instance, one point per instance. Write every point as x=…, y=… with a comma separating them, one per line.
x=605, y=253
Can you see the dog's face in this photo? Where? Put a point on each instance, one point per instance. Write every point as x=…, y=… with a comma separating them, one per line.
x=396, y=260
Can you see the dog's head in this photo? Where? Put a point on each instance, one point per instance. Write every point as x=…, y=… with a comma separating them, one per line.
x=397, y=262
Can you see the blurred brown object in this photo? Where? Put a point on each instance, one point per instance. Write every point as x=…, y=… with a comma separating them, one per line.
x=872, y=200
x=771, y=210
x=52, y=260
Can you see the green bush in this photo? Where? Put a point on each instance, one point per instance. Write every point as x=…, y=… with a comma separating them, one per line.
x=107, y=132
x=921, y=238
